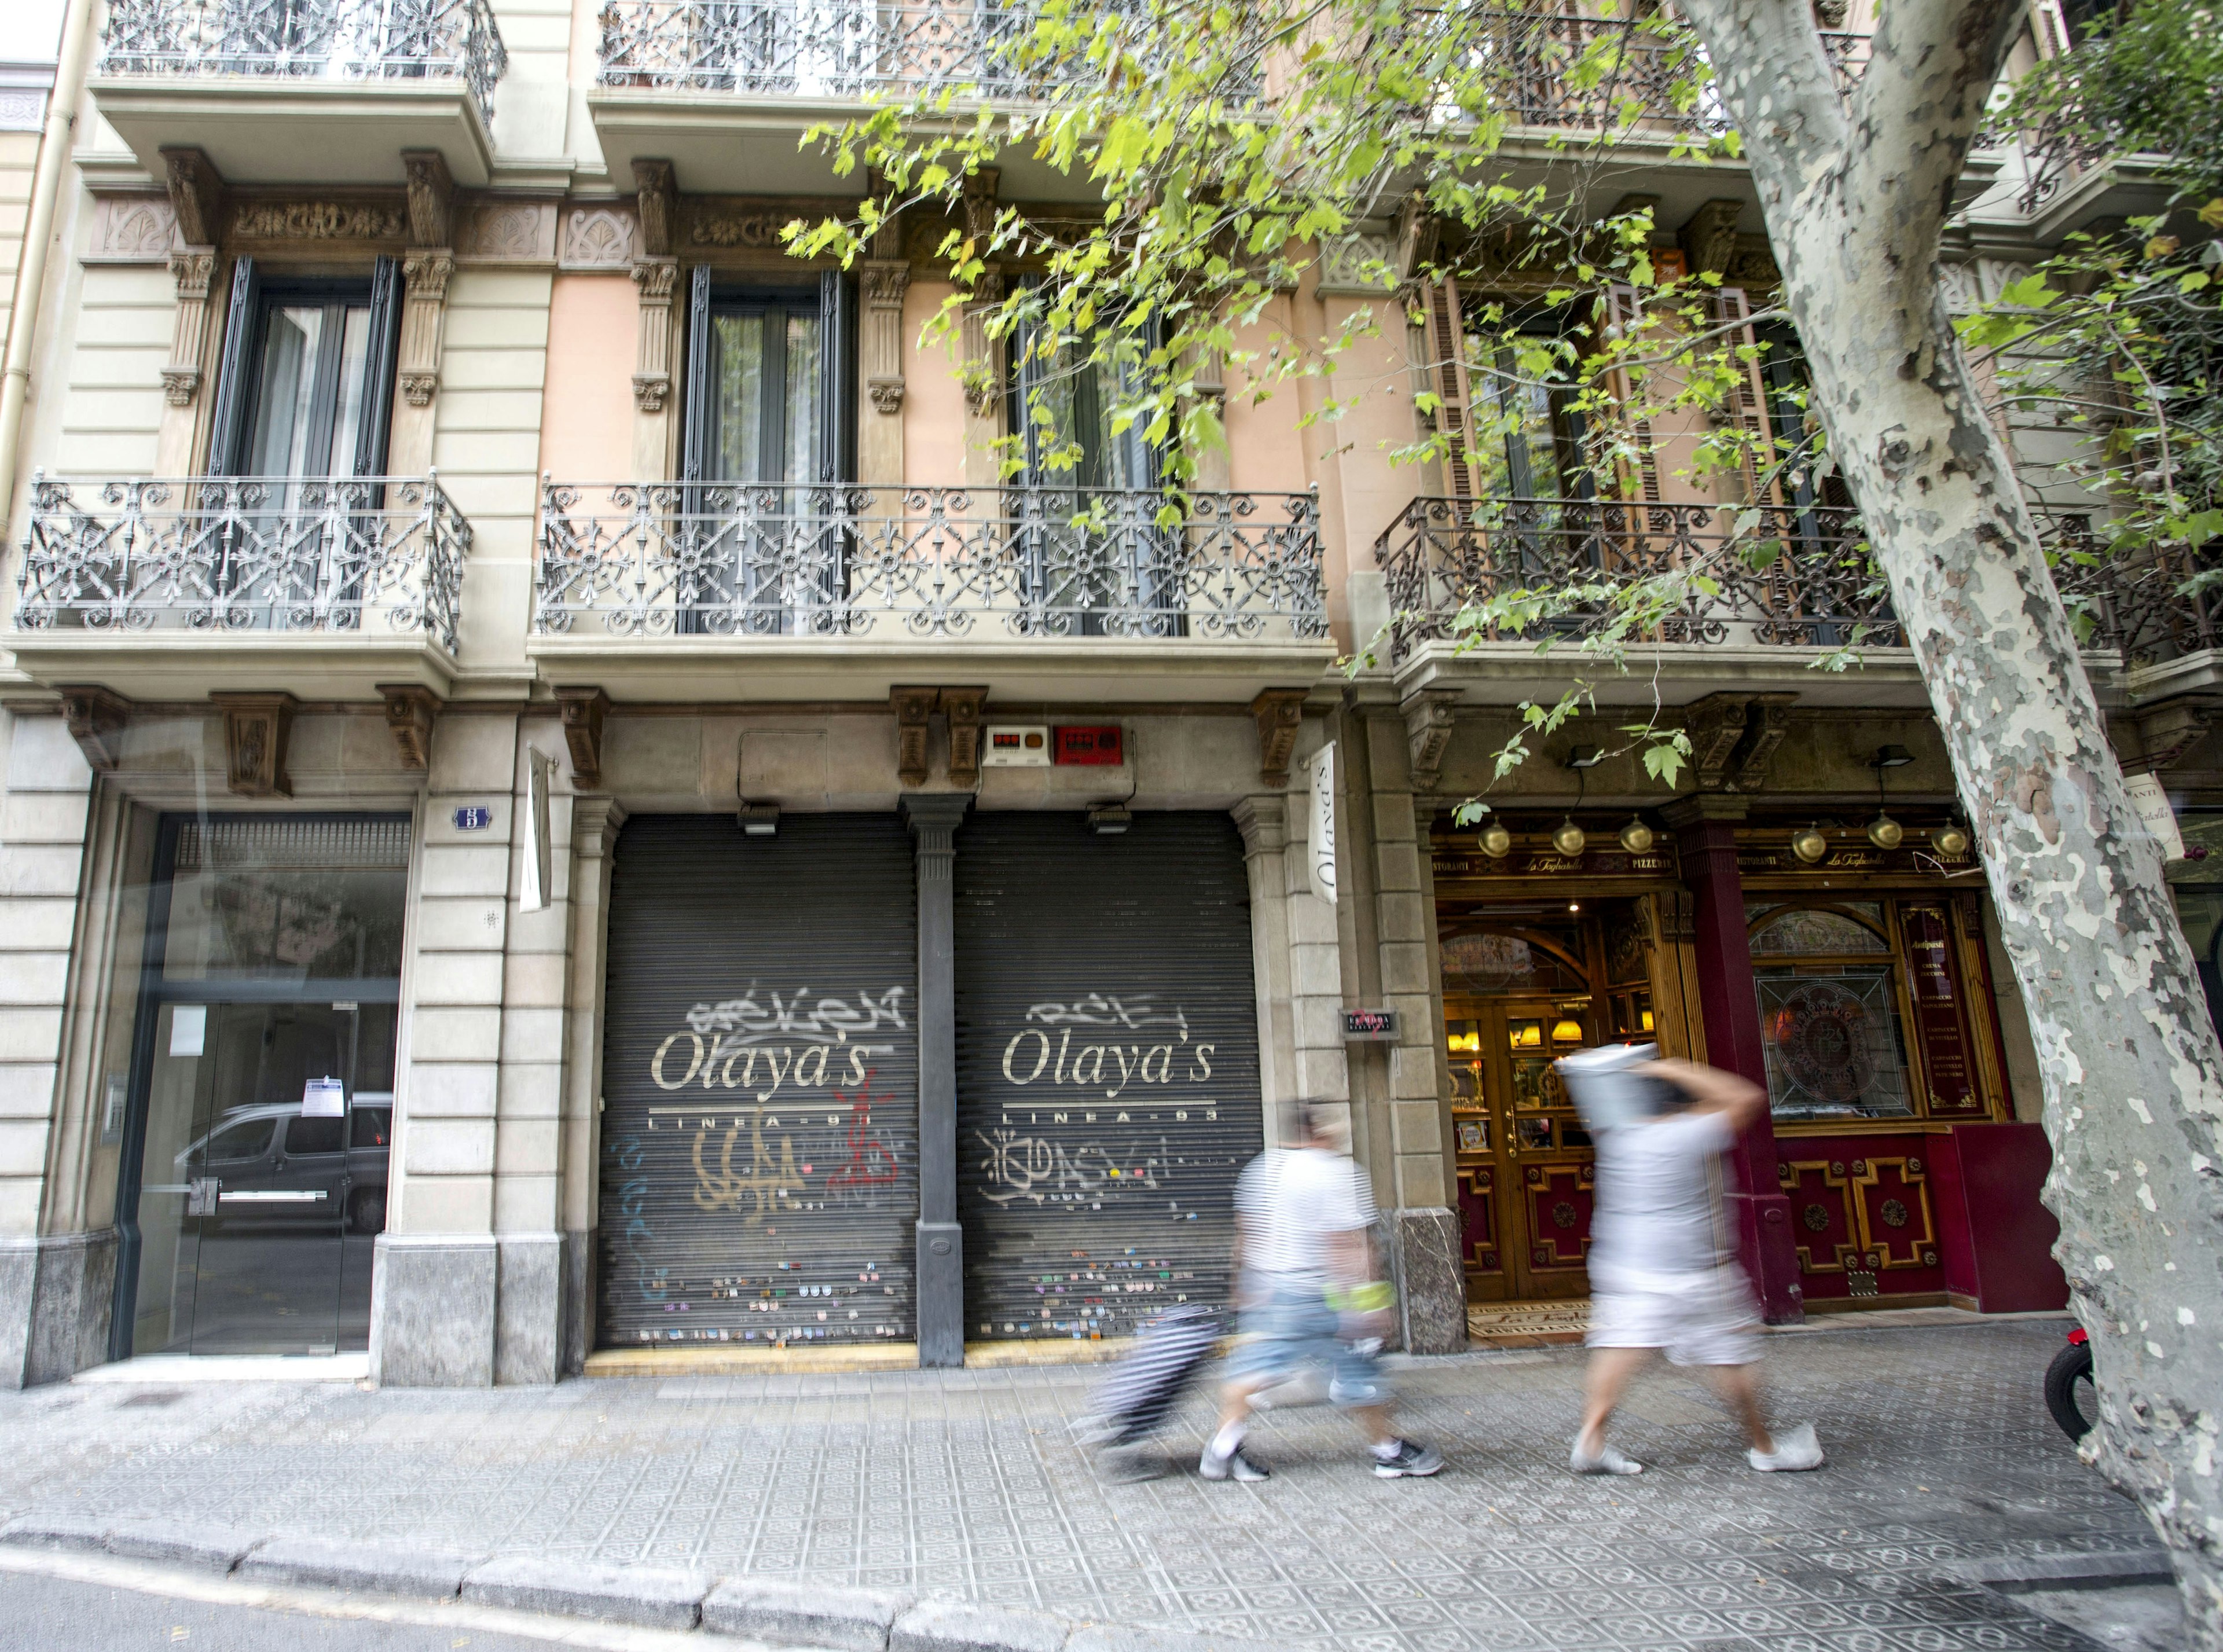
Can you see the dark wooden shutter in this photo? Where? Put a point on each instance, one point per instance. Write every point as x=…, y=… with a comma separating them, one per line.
x=235, y=372
x=384, y=344
x=695, y=440
x=1030, y=375
x=1138, y=948
x=1454, y=391
x=745, y=1210
x=836, y=458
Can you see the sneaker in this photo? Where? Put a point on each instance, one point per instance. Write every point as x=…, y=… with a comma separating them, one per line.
x=1233, y=1466
x=1609, y=1461
x=1419, y=1461
x=1795, y=1450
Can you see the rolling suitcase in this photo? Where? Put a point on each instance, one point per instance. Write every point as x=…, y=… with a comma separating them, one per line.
x=1143, y=1388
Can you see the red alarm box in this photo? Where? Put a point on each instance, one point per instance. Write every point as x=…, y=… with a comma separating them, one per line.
x=1099, y=746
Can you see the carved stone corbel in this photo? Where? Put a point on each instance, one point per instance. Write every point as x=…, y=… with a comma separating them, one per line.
x=883, y=286
x=2169, y=730
x=582, y=711
x=96, y=717
x=962, y=707
x=657, y=278
x=1714, y=726
x=1766, y=720
x=1279, y=713
x=424, y=321
x=658, y=206
x=432, y=198
x=256, y=727
x=1709, y=237
x=912, y=706
x=1428, y=733
x=196, y=195
x=193, y=269
x=410, y=709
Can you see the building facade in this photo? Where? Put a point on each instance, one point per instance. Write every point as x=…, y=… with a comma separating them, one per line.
x=561, y=816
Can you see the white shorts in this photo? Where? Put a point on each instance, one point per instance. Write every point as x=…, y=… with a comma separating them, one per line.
x=1699, y=1319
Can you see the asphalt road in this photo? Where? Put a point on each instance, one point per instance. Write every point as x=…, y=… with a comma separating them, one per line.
x=45, y=1614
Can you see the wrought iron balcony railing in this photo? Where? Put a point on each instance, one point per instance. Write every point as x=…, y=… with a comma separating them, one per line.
x=337, y=40
x=1591, y=73
x=1441, y=557
x=738, y=560
x=840, y=50
x=245, y=554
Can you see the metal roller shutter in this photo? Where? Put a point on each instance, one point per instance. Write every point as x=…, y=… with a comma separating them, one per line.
x=759, y=1174
x=1107, y=1068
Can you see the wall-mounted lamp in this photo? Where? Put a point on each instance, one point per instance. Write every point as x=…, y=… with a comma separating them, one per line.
x=1891, y=757
x=1951, y=840
x=1585, y=757
x=1884, y=831
x=1567, y=838
x=1496, y=841
x=1566, y=1030
x=1108, y=819
x=1637, y=837
x=759, y=820
x=1810, y=846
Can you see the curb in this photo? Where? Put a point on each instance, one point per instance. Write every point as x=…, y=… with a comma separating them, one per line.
x=826, y=1619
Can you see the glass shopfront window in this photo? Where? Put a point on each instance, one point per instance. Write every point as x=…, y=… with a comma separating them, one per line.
x=261, y=1099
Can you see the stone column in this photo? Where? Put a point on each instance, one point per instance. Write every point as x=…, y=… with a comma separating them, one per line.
x=940, y=1264
x=426, y=271
x=882, y=284
x=56, y=1280
x=183, y=405
x=1705, y=831
x=655, y=396
x=1263, y=822
x=595, y=823
x=435, y=1276
x=531, y=1090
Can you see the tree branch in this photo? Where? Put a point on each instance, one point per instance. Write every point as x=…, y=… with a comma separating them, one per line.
x=1768, y=63
x=1931, y=67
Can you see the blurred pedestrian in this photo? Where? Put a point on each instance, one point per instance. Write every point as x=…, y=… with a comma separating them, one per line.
x=1663, y=1277
x=1307, y=1284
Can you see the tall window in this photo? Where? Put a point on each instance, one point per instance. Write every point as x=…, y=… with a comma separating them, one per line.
x=307, y=379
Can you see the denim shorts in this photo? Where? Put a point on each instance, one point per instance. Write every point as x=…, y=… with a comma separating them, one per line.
x=1294, y=1329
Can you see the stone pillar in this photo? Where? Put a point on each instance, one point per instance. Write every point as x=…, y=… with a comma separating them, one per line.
x=531, y=1090
x=426, y=271
x=595, y=823
x=183, y=405
x=56, y=1280
x=882, y=284
x=655, y=397
x=435, y=1276
x=940, y=1263
x=1705, y=831
x=1318, y=1066
x=1263, y=822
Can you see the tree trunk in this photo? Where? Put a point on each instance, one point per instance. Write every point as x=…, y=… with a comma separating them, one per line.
x=2133, y=1078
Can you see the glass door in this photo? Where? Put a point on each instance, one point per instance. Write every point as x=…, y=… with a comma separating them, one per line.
x=263, y=1087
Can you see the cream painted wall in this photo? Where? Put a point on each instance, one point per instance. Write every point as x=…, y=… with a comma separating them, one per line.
x=586, y=434
x=486, y=447
x=933, y=401
x=19, y=155
x=119, y=340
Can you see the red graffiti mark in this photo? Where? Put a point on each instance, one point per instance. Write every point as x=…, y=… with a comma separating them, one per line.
x=870, y=1164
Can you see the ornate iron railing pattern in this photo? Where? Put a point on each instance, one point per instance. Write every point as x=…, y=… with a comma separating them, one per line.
x=827, y=49
x=1442, y=557
x=727, y=559
x=245, y=554
x=1533, y=59
x=340, y=39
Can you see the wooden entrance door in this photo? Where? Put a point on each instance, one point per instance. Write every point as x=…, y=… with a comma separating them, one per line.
x=1524, y=1157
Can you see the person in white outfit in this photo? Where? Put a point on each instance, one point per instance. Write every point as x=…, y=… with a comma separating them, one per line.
x=1662, y=1275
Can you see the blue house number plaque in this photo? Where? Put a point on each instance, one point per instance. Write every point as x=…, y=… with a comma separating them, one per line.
x=474, y=818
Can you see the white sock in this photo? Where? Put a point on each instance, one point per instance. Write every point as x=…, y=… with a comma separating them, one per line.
x=1229, y=1440
x=1387, y=1449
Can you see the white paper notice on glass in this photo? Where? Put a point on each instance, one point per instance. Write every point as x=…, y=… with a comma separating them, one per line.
x=188, y=1029
x=323, y=1098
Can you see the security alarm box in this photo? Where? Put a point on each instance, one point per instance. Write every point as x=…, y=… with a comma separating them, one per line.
x=1016, y=746
x=1081, y=744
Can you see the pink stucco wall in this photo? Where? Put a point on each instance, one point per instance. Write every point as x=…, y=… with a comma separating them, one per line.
x=586, y=427
x=934, y=400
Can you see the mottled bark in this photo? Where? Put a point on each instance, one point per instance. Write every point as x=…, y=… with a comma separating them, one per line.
x=1855, y=199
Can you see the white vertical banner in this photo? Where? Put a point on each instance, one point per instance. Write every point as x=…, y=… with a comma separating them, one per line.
x=539, y=868
x=2151, y=804
x=1320, y=859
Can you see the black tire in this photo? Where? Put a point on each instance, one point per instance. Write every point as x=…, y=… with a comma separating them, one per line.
x=2068, y=1391
x=367, y=1213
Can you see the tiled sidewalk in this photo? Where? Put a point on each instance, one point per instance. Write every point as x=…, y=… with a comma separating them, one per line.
x=964, y=1485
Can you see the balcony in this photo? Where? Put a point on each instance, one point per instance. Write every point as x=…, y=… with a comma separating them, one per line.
x=163, y=590
x=1757, y=629
x=842, y=593
x=304, y=91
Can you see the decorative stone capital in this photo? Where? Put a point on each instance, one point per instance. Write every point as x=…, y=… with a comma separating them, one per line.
x=420, y=387
x=912, y=706
x=426, y=272
x=650, y=391
x=887, y=395
x=1263, y=821
x=257, y=728
x=410, y=709
x=1279, y=713
x=180, y=385
x=96, y=719
x=583, y=710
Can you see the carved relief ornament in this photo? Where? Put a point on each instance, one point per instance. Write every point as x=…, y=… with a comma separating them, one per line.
x=318, y=221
